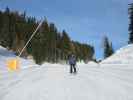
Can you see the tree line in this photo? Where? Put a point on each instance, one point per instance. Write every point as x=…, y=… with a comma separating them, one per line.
x=47, y=45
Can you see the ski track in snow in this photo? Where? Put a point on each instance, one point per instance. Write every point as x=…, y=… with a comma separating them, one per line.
x=56, y=83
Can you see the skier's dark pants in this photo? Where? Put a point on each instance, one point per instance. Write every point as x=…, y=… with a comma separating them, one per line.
x=72, y=67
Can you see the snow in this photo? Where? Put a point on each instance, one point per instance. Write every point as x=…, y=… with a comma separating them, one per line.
x=6, y=55
x=54, y=82
x=122, y=56
x=92, y=63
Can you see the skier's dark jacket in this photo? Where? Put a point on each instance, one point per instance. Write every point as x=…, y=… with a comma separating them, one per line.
x=72, y=60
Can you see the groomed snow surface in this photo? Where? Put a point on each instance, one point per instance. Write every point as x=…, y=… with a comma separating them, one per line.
x=112, y=79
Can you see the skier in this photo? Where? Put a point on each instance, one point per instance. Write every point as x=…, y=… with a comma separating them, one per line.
x=72, y=63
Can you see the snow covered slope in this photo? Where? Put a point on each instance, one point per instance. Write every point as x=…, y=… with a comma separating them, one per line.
x=54, y=82
x=122, y=56
x=6, y=55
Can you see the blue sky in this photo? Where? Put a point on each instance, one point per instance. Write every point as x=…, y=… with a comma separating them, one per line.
x=87, y=21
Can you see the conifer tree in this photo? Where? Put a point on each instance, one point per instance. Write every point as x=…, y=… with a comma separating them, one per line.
x=108, y=49
x=5, y=29
x=131, y=23
x=65, y=45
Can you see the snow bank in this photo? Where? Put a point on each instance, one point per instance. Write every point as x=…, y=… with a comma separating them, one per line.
x=89, y=64
x=80, y=63
x=6, y=55
x=122, y=56
x=92, y=63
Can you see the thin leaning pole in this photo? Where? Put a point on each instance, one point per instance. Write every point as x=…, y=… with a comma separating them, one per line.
x=30, y=38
